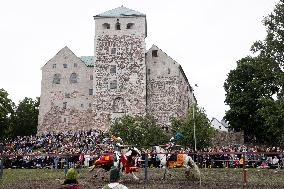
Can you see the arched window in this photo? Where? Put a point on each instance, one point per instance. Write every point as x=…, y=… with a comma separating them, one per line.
x=130, y=26
x=117, y=26
x=106, y=26
x=56, y=79
x=73, y=78
x=118, y=105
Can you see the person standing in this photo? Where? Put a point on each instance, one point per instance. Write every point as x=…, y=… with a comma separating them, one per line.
x=114, y=180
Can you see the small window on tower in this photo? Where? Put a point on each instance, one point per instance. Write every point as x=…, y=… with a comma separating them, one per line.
x=113, y=51
x=91, y=77
x=148, y=71
x=64, y=65
x=75, y=65
x=106, y=26
x=112, y=69
x=154, y=53
x=117, y=26
x=113, y=84
x=130, y=26
x=54, y=66
x=64, y=105
x=169, y=71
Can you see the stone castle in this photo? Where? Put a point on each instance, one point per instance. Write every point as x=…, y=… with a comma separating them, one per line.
x=88, y=92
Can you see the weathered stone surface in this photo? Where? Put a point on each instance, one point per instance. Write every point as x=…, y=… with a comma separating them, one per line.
x=124, y=80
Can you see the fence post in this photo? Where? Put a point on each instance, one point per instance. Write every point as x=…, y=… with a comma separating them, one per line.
x=244, y=172
x=146, y=166
x=66, y=165
x=1, y=167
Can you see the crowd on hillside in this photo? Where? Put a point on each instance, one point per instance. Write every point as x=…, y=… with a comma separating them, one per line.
x=59, y=149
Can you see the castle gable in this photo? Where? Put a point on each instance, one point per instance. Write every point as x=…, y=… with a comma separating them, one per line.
x=64, y=56
x=120, y=12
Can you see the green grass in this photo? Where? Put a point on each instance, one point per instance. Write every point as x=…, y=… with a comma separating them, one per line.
x=47, y=178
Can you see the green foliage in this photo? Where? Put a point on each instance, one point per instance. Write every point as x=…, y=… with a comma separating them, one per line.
x=139, y=130
x=254, y=90
x=6, y=112
x=185, y=126
x=26, y=117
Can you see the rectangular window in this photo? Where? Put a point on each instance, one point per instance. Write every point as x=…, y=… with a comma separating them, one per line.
x=91, y=77
x=154, y=53
x=64, y=65
x=113, y=84
x=169, y=71
x=82, y=105
x=53, y=65
x=113, y=51
x=112, y=69
x=90, y=91
x=64, y=105
x=148, y=71
x=65, y=120
x=90, y=105
x=75, y=65
x=67, y=95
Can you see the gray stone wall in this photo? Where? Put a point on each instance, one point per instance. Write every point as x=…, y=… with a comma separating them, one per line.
x=120, y=74
x=65, y=100
x=168, y=91
x=125, y=81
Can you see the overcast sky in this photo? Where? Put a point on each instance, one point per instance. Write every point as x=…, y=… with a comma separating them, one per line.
x=206, y=37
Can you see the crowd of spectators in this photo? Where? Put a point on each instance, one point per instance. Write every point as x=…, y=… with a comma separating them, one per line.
x=56, y=150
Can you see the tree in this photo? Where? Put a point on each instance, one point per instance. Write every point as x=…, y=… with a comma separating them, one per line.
x=254, y=81
x=185, y=128
x=6, y=111
x=139, y=130
x=254, y=90
x=26, y=117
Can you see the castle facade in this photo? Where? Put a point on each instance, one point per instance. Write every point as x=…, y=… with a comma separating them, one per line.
x=88, y=92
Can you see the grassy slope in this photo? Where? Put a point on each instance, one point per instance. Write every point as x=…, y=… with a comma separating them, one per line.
x=39, y=178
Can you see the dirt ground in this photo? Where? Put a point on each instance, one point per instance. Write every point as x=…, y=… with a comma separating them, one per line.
x=211, y=178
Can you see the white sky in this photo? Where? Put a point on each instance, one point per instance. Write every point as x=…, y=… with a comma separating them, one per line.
x=206, y=37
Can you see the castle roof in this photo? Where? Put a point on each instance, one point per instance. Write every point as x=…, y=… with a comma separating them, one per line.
x=120, y=12
x=88, y=60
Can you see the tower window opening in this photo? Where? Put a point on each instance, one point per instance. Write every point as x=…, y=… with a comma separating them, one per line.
x=64, y=105
x=113, y=51
x=106, y=26
x=130, y=26
x=117, y=26
x=113, y=84
x=154, y=53
x=169, y=71
x=112, y=69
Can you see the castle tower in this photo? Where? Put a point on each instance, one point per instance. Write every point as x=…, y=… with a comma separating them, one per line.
x=119, y=66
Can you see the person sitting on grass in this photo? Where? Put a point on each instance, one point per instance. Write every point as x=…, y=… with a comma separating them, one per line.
x=114, y=180
x=70, y=181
